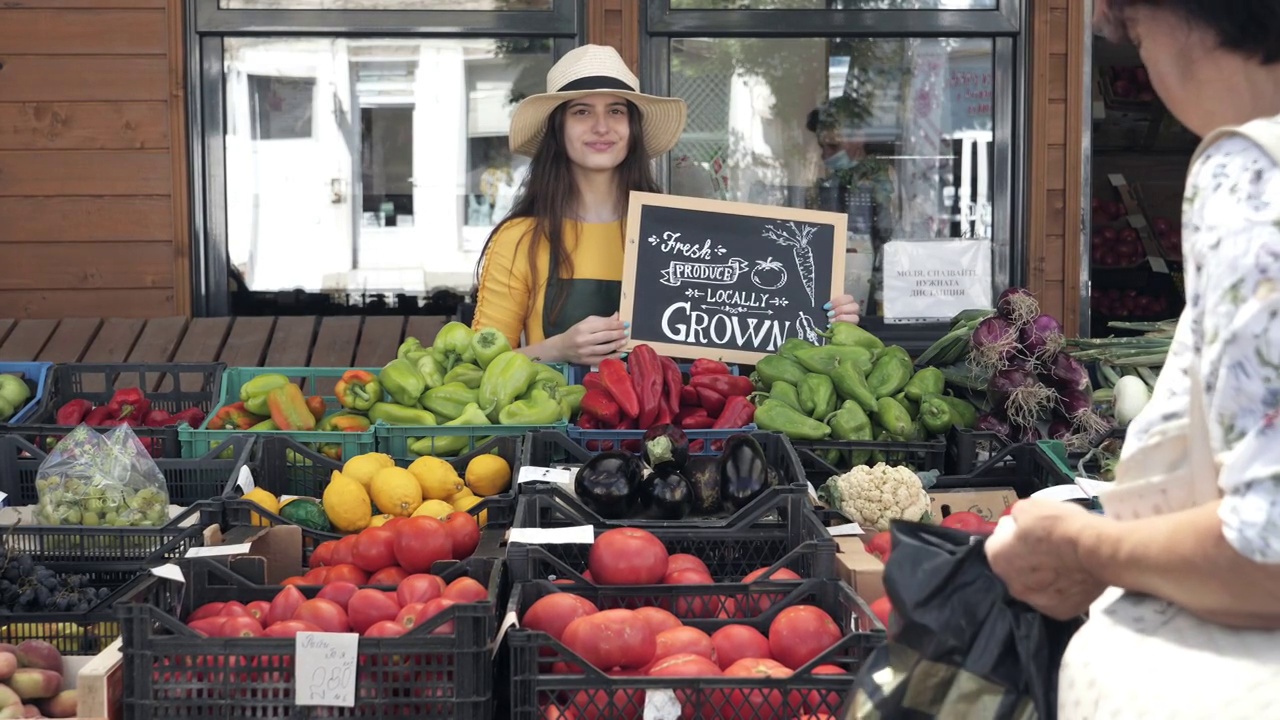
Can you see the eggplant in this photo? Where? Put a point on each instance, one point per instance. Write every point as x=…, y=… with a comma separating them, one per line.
x=610, y=484
x=666, y=446
x=666, y=495
x=703, y=474
x=744, y=471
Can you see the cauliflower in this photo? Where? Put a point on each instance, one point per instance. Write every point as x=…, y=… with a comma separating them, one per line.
x=872, y=496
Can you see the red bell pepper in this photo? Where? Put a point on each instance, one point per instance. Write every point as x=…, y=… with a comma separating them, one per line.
x=687, y=413
x=157, y=418
x=315, y=404
x=706, y=366
x=129, y=402
x=697, y=446
x=673, y=383
x=689, y=397
x=97, y=416
x=192, y=416
x=74, y=412
x=711, y=400
x=726, y=385
x=646, y=379
x=616, y=381
x=592, y=381
x=738, y=412
x=601, y=407
x=664, y=415
x=697, y=422
x=233, y=417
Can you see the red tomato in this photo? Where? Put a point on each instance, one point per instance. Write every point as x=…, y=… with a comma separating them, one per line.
x=736, y=642
x=684, y=665
x=258, y=609
x=206, y=610
x=586, y=575
x=687, y=577
x=238, y=627
x=393, y=522
x=320, y=575
x=685, y=561
x=757, y=704
x=373, y=549
x=326, y=614
x=342, y=550
x=235, y=609
x=369, y=606
x=964, y=520
x=295, y=580
x=658, y=619
x=800, y=633
x=779, y=575
x=323, y=553
x=599, y=704
x=464, y=534
x=417, y=589
x=552, y=613
x=411, y=616
x=435, y=607
x=881, y=609
x=611, y=639
x=339, y=592
x=880, y=545
x=289, y=628
x=422, y=542
x=284, y=605
x=758, y=603
x=346, y=573
x=385, y=629
x=209, y=626
x=627, y=556
x=466, y=590
x=389, y=576
x=826, y=701
x=683, y=640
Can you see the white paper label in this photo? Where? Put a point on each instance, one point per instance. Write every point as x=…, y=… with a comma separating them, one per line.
x=845, y=530
x=245, y=481
x=3, y=496
x=661, y=705
x=813, y=493
x=286, y=498
x=935, y=280
x=325, y=669
x=218, y=550
x=509, y=621
x=580, y=535
x=169, y=572
x=1061, y=493
x=545, y=474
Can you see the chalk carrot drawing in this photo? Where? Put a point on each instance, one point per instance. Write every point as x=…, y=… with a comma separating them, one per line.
x=769, y=274
x=808, y=330
x=797, y=238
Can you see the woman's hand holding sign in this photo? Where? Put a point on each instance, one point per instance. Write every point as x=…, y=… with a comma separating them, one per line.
x=842, y=309
x=586, y=343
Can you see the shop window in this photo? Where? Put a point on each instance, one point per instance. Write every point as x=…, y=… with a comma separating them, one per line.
x=281, y=107
x=833, y=4
x=472, y=5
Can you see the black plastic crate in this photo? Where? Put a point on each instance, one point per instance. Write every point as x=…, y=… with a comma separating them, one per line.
x=171, y=672
x=592, y=693
x=76, y=633
x=188, y=481
x=824, y=458
x=1026, y=468
x=284, y=466
x=169, y=386
x=968, y=449
x=782, y=533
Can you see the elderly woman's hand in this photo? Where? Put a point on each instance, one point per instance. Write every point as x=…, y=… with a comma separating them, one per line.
x=1035, y=551
x=842, y=309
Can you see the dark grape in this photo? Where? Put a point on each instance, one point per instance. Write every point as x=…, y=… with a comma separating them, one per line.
x=43, y=596
x=62, y=603
x=26, y=564
x=12, y=573
x=27, y=597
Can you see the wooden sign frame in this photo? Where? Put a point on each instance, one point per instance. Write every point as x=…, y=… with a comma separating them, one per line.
x=631, y=246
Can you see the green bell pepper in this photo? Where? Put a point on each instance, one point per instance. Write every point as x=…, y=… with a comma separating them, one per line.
x=540, y=409
x=851, y=385
x=926, y=381
x=773, y=368
x=550, y=376
x=6, y=409
x=453, y=344
x=786, y=393
x=449, y=400
x=776, y=416
x=817, y=396
x=465, y=373
x=411, y=349
x=850, y=423
x=963, y=414
x=487, y=345
x=403, y=382
x=935, y=415
x=891, y=373
x=14, y=392
x=823, y=360
x=448, y=445
x=570, y=397
x=393, y=414
x=893, y=417
x=506, y=378
x=851, y=335
x=431, y=369
x=791, y=346
x=257, y=405
x=912, y=407
x=261, y=385
x=265, y=426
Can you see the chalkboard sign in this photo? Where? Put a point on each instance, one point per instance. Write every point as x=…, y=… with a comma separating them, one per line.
x=707, y=278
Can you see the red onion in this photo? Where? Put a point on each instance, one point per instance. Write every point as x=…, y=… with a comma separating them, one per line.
x=1067, y=373
x=1029, y=434
x=993, y=423
x=1018, y=306
x=1060, y=429
x=1077, y=405
x=1020, y=395
x=1042, y=338
x=993, y=344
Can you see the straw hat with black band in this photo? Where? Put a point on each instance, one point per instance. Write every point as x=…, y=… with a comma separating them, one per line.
x=593, y=70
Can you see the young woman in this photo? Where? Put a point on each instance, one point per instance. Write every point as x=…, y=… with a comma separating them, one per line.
x=1181, y=576
x=551, y=271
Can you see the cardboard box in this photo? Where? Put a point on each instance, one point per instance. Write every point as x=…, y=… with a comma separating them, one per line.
x=263, y=555
x=990, y=503
x=860, y=569
x=99, y=681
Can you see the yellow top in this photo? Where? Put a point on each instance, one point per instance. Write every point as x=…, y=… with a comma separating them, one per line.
x=511, y=300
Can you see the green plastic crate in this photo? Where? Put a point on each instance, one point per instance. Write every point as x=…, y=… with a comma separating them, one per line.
x=313, y=381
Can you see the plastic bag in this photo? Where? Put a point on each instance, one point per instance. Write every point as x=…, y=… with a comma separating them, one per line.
x=108, y=480
x=959, y=645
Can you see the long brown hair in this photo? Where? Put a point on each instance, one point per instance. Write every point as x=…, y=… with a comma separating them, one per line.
x=549, y=194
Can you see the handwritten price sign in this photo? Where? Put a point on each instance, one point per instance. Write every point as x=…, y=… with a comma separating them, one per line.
x=325, y=669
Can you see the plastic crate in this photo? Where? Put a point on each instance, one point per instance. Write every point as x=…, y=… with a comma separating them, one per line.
x=968, y=449
x=701, y=442
x=534, y=689
x=783, y=533
x=36, y=377
x=284, y=466
x=1076, y=463
x=1026, y=468
x=578, y=372
x=920, y=456
x=171, y=672
x=77, y=633
x=169, y=386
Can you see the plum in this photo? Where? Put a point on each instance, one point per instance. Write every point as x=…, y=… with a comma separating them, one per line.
x=40, y=655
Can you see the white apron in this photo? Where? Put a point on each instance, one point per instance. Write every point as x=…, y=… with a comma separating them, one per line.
x=1138, y=657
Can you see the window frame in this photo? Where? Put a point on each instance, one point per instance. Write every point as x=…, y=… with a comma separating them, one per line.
x=208, y=26
x=1007, y=26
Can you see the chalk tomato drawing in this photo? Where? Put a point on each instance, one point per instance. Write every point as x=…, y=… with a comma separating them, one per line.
x=769, y=274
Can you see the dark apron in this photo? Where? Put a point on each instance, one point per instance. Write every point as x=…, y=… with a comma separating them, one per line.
x=582, y=299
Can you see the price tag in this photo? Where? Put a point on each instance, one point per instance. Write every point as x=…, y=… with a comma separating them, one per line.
x=813, y=493
x=661, y=705
x=545, y=474
x=508, y=622
x=325, y=669
x=219, y=550
x=169, y=572
x=245, y=481
x=286, y=498
x=3, y=496
x=845, y=530
x=580, y=535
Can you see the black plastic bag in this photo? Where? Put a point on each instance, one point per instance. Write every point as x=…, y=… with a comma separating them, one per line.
x=960, y=647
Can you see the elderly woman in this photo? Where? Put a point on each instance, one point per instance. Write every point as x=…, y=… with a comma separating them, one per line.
x=1181, y=577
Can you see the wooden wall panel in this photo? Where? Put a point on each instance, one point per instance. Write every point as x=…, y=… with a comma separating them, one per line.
x=93, y=158
x=616, y=23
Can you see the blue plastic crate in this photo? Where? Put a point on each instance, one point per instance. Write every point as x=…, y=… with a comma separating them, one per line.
x=578, y=372
x=36, y=375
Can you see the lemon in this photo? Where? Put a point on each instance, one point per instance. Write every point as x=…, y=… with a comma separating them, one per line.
x=437, y=509
x=465, y=492
x=437, y=477
x=488, y=475
x=396, y=491
x=466, y=504
x=379, y=520
x=362, y=468
x=264, y=500
x=347, y=504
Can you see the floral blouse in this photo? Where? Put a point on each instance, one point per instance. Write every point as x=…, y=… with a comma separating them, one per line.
x=1230, y=333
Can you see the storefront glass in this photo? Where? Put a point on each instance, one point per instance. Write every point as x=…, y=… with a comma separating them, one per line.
x=472, y=5
x=832, y=4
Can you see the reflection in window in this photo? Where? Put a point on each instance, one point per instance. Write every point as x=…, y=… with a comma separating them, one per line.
x=895, y=133
x=833, y=4
x=477, y=5
x=281, y=107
